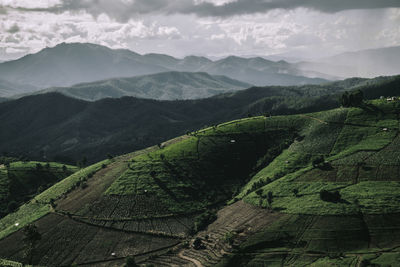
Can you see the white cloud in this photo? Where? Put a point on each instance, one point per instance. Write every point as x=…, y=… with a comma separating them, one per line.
x=30, y=3
x=299, y=31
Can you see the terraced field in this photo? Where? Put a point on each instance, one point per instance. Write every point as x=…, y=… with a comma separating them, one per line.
x=302, y=190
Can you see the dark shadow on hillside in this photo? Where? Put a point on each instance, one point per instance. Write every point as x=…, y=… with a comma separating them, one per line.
x=370, y=108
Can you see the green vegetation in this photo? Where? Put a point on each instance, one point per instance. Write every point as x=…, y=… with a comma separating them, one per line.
x=21, y=180
x=40, y=204
x=206, y=168
x=327, y=183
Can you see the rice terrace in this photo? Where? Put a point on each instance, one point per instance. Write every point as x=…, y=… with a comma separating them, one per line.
x=199, y=133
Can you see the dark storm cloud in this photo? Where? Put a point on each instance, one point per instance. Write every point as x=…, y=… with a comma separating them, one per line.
x=124, y=9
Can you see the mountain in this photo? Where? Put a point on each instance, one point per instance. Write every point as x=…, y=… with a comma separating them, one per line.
x=69, y=64
x=317, y=189
x=8, y=89
x=160, y=86
x=65, y=129
x=365, y=63
x=259, y=71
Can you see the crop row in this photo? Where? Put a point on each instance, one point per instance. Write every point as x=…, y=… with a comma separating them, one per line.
x=125, y=206
x=65, y=241
x=177, y=226
x=348, y=173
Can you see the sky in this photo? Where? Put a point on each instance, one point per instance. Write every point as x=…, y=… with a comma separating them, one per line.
x=213, y=28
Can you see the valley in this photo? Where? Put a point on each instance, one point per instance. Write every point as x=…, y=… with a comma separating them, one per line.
x=264, y=169
x=199, y=133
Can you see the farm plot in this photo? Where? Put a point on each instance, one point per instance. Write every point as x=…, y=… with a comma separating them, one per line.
x=65, y=241
x=192, y=175
x=321, y=132
x=302, y=239
x=390, y=155
x=238, y=220
x=174, y=226
x=364, y=131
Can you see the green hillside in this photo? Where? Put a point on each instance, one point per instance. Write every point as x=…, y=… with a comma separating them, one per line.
x=20, y=181
x=68, y=129
x=316, y=189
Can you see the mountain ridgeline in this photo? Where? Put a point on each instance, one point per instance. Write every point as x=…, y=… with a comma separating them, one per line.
x=366, y=63
x=69, y=64
x=55, y=127
x=160, y=86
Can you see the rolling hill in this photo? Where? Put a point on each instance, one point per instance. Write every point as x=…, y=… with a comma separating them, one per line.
x=69, y=64
x=314, y=189
x=160, y=86
x=65, y=129
x=8, y=89
x=22, y=180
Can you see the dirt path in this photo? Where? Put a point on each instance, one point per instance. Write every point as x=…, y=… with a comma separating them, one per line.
x=194, y=261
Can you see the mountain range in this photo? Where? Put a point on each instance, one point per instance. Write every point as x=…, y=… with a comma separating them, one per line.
x=365, y=63
x=160, y=86
x=69, y=64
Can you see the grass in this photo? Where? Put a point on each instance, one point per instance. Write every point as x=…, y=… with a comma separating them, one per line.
x=20, y=181
x=268, y=162
x=360, y=138
x=39, y=206
x=206, y=168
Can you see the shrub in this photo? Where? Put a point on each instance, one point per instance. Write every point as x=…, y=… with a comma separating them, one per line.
x=204, y=219
x=130, y=262
x=84, y=185
x=12, y=206
x=296, y=192
x=330, y=196
x=230, y=237
x=270, y=197
x=39, y=166
x=318, y=161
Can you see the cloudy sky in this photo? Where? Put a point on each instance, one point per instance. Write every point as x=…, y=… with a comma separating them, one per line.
x=215, y=28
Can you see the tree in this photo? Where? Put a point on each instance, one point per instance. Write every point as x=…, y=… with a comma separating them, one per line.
x=39, y=166
x=12, y=206
x=318, y=161
x=130, y=262
x=270, y=197
x=352, y=99
x=296, y=192
x=330, y=196
x=31, y=237
x=259, y=192
x=84, y=161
